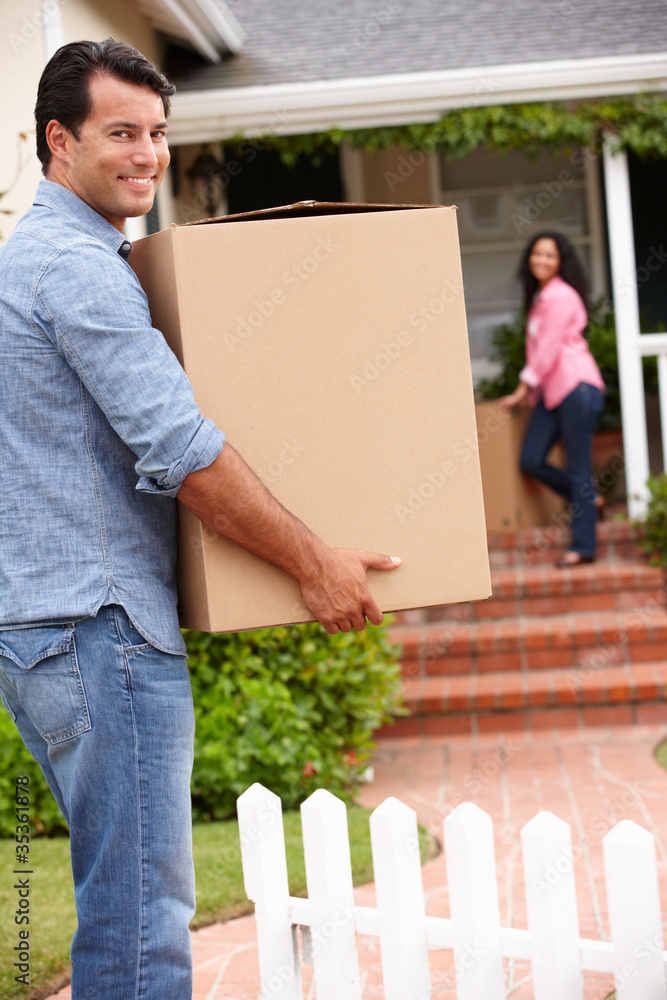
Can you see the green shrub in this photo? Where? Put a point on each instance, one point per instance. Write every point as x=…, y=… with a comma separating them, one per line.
x=508, y=343
x=45, y=816
x=293, y=708
x=508, y=349
x=652, y=531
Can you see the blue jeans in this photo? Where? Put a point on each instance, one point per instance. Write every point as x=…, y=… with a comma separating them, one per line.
x=573, y=423
x=110, y=721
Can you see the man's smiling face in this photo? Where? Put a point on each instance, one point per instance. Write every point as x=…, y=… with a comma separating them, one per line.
x=120, y=157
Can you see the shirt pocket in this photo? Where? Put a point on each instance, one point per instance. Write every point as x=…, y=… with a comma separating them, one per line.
x=41, y=666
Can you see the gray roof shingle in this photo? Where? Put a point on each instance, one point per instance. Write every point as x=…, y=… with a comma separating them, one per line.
x=291, y=41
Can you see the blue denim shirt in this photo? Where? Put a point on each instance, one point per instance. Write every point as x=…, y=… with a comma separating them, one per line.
x=98, y=425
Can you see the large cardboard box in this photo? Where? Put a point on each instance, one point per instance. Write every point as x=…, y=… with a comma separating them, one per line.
x=512, y=500
x=329, y=343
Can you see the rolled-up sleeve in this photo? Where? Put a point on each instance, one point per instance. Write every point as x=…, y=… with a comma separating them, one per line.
x=102, y=327
x=530, y=377
x=202, y=450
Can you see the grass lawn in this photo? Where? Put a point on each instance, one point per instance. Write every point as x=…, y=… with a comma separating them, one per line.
x=661, y=754
x=220, y=892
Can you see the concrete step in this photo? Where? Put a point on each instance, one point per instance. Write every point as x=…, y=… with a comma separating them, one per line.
x=547, y=590
x=533, y=699
x=594, y=639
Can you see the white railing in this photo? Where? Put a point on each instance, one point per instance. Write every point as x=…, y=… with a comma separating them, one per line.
x=654, y=345
x=631, y=345
x=329, y=921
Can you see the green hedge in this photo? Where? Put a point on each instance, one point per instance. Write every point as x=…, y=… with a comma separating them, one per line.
x=293, y=708
x=652, y=529
x=45, y=816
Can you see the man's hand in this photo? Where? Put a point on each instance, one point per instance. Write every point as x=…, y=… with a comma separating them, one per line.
x=338, y=595
x=228, y=496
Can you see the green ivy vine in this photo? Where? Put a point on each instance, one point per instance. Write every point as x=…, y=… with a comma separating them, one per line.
x=637, y=123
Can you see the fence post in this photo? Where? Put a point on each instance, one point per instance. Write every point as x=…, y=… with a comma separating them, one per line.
x=473, y=900
x=400, y=901
x=265, y=878
x=551, y=901
x=631, y=875
x=326, y=846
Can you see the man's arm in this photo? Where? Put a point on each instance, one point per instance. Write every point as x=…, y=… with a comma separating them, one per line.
x=229, y=497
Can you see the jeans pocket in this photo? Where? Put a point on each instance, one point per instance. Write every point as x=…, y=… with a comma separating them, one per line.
x=130, y=637
x=41, y=666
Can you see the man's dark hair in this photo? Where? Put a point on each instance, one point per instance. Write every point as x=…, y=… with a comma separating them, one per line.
x=571, y=269
x=64, y=94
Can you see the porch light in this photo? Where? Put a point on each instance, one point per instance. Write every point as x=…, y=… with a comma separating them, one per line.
x=206, y=176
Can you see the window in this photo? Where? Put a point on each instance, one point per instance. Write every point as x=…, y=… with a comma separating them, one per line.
x=502, y=202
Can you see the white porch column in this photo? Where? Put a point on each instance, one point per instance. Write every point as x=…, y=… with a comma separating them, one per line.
x=166, y=203
x=135, y=228
x=626, y=307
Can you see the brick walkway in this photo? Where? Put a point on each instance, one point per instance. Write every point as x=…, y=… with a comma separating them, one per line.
x=591, y=778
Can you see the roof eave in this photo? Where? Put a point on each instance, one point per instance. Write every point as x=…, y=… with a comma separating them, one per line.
x=222, y=22
x=368, y=102
x=208, y=25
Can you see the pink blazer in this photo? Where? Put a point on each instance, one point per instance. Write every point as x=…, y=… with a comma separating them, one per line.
x=558, y=358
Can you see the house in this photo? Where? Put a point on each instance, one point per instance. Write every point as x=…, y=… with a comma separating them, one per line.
x=32, y=30
x=262, y=70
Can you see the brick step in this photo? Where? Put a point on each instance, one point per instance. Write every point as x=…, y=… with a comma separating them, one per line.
x=624, y=684
x=546, y=590
x=525, y=721
x=540, y=546
x=527, y=700
x=601, y=638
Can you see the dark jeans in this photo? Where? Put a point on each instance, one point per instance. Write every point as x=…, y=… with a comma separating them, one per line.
x=573, y=423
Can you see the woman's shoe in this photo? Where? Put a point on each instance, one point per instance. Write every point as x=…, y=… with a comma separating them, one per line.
x=573, y=559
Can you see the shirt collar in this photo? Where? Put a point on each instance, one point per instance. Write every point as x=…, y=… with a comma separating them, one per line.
x=61, y=199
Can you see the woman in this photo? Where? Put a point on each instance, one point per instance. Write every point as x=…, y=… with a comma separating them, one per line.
x=563, y=383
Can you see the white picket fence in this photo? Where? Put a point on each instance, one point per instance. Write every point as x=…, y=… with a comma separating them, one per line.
x=329, y=920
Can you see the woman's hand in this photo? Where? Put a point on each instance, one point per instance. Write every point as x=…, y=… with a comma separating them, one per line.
x=516, y=398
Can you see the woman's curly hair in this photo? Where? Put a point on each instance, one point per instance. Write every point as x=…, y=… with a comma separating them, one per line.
x=571, y=269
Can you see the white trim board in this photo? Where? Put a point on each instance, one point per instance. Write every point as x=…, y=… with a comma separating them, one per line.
x=367, y=102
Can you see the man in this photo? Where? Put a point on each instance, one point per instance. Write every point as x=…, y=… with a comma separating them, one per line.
x=100, y=434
